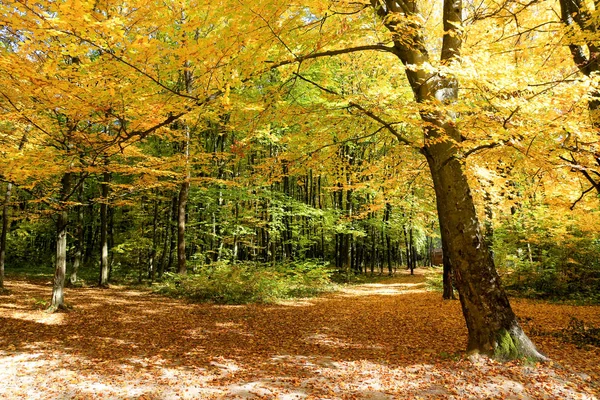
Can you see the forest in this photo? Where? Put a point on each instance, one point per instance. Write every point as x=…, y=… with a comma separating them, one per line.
x=163, y=162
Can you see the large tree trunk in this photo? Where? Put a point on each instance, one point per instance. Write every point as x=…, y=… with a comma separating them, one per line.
x=489, y=317
x=492, y=325
x=58, y=297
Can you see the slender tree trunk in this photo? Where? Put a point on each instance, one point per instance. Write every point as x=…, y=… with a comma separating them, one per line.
x=79, y=232
x=166, y=242
x=5, y=217
x=104, y=267
x=287, y=229
x=413, y=262
x=58, y=296
x=388, y=240
x=185, y=188
x=173, y=228
x=89, y=228
x=111, y=240
x=407, y=247
x=181, y=208
x=152, y=264
x=373, y=249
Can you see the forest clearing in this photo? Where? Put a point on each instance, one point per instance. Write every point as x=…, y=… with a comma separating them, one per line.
x=389, y=340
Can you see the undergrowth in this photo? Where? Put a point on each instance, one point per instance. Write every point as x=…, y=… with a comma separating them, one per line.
x=242, y=283
x=434, y=279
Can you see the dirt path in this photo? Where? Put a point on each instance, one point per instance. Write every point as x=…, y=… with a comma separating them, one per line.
x=377, y=341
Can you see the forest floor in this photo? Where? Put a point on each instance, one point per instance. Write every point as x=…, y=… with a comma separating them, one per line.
x=388, y=340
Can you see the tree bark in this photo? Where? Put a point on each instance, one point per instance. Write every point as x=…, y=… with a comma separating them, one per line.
x=58, y=297
x=152, y=263
x=181, y=208
x=104, y=267
x=185, y=187
x=79, y=235
x=5, y=217
x=167, y=240
x=448, y=288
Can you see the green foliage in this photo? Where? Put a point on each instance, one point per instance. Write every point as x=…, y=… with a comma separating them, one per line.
x=541, y=259
x=248, y=282
x=31, y=243
x=434, y=279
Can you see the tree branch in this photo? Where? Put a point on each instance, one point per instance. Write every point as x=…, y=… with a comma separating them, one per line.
x=330, y=53
x=580, y=197
x=366, y=112
x=576, y=166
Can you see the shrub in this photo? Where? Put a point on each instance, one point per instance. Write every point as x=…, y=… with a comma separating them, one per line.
x=248, y=282
x=434, y=279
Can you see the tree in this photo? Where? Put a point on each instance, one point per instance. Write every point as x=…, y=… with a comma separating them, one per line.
x=486, y=308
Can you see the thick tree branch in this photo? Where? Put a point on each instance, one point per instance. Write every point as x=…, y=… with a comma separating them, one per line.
x=482, y=147
x=452, y=40
x=330, y=53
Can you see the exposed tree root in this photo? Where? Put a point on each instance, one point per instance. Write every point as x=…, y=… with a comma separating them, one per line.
x=58, y=308
x=514, y=344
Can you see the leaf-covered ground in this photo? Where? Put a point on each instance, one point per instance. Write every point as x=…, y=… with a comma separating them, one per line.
x=391, y=340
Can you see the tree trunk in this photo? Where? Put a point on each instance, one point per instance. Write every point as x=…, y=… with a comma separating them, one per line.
x=413, y=254
x=152, y=264
x=104, y=267
x=5, y=217
x=489, y=317
x=167, y=240
x=491, y=322
x=58, y=297
x=407, y=247
x=79, y=232
x=185, y=188
x=181, y=207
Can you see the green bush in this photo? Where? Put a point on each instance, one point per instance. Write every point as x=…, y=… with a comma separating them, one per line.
x=543, y=259
x=434, y=279
x=226, y=283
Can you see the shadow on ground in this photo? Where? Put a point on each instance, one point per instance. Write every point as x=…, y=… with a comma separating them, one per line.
x=374, y=341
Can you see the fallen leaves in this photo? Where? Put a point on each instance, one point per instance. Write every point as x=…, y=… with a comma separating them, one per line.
x=370, y=342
